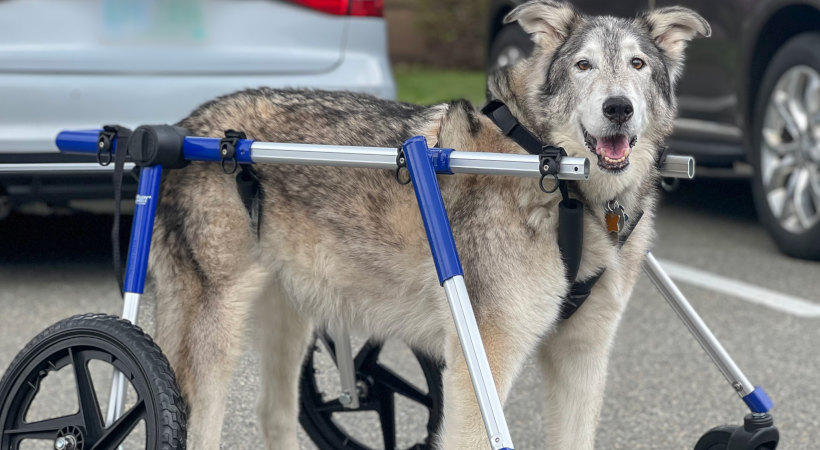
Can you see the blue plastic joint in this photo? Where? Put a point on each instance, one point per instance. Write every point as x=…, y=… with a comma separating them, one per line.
x=207, y=149
x=433, y=214
x=440, y=157
x=758, y=401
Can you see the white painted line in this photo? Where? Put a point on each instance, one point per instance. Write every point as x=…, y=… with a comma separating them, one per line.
x=766, y=297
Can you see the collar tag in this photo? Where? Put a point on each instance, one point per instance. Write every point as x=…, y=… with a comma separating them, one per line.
x=615, y=216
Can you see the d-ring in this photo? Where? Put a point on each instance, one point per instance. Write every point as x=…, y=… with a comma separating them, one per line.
x=541, y=183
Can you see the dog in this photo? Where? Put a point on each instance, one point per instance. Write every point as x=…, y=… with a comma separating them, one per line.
x=342, y=246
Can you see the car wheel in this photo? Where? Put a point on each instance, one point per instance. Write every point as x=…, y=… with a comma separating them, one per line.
x=509, y=45
x=786, y=148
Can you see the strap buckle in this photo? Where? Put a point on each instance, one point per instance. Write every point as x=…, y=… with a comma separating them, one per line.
x=227, y=150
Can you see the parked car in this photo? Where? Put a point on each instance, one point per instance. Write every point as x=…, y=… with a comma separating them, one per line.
x=749, y=94
x=82, y=64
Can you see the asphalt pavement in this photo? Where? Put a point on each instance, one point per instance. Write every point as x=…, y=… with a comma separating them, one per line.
x=662, y=391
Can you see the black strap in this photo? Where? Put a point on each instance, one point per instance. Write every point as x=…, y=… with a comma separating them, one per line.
x=501, y=115
x=247, y=183
x=580, y=290
x=122, y=134
x=578, y=294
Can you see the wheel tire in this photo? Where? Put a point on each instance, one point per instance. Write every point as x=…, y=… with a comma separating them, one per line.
x=318, y=422
x=81, y=339
x=803, y=50
x=509, y=45
x=717, y=438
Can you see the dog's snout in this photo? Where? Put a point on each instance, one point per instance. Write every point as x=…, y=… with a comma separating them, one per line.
x=618, y=109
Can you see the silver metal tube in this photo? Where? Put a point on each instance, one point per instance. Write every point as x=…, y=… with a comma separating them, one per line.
x=477, y=363
x=116, y=398
x=677, y=166
x=697, y=326
x=385, y=158
x=347, y=372
x=515, y=165
x=130, y=306
x=81, y=167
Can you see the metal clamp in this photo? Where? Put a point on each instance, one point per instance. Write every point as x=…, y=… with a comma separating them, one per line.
x=105, y=142
x=401, y=163
x=227, y=150
x=549, y=164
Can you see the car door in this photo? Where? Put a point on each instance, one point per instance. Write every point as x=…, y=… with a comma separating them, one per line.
x=74, y=63
x=707, y=92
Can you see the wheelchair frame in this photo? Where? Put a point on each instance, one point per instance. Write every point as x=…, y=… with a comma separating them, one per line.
x=423, y=164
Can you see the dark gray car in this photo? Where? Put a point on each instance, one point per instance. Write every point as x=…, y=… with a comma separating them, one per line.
x=750, y=94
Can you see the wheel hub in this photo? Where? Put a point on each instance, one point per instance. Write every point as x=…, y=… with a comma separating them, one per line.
x=69, y=438
x=790, y=150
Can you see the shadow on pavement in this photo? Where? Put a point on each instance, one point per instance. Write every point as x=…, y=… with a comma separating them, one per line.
x=75, y=238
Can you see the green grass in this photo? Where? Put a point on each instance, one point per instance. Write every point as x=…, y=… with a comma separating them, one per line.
x=426, y=86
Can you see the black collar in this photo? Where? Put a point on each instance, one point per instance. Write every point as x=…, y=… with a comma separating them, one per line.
x=501, y=115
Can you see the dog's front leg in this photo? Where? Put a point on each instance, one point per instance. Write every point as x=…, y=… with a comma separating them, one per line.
x=463, y=427
x=574, y=361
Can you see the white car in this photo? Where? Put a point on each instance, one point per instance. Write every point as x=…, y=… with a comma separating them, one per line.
x=75, y=64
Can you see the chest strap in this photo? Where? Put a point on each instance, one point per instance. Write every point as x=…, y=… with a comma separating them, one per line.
x=580, y=290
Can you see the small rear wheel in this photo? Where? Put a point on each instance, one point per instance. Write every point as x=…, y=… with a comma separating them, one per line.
x=332, y=426
x=155, y=409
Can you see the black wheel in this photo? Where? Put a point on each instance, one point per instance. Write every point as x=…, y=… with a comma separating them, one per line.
x=509, y=45
x=324, y=419
x=154, y=413
x=785, y=149
x=717, y=438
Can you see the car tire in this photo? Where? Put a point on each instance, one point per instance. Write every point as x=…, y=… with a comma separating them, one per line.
x=785, y=150
x=510, y=44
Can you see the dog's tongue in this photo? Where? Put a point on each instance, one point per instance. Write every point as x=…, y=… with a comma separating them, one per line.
x=614, y=147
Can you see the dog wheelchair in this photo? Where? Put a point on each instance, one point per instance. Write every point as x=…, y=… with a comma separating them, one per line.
x=366, y=384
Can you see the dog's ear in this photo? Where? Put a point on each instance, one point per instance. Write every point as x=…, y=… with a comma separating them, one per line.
x=673, y=27
x=549, y=22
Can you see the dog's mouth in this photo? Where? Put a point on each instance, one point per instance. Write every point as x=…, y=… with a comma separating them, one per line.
x=613, y=151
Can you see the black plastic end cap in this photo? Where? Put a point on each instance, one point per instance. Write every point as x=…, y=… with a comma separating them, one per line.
x=152, y=145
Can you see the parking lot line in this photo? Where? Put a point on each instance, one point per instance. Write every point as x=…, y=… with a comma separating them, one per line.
x=754, y=294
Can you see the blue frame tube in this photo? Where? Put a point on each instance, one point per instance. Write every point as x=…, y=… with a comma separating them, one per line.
x=80, y=141
x=142, y=229
x=433, y=214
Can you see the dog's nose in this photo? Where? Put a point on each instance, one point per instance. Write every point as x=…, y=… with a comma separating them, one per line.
x=618, y=109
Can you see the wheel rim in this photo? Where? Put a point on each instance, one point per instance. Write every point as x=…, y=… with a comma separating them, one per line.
x=86, y=428
x=378, y=388
x=790, y=150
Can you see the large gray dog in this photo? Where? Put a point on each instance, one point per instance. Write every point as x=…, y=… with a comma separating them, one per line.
x=331, y=239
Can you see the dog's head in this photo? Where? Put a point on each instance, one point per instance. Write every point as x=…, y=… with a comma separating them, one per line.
x=601, y=87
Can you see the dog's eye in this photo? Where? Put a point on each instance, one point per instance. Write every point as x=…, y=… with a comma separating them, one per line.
x=637, y=63
x=583, y=65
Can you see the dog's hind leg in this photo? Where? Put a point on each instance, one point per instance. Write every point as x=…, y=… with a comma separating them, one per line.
x=574, y=361
x=284, y=337
x=208, y=276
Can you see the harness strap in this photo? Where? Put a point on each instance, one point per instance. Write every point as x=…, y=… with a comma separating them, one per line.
x=501, y=115
x=247, y=183
x=107, y=138
x=580, y=290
